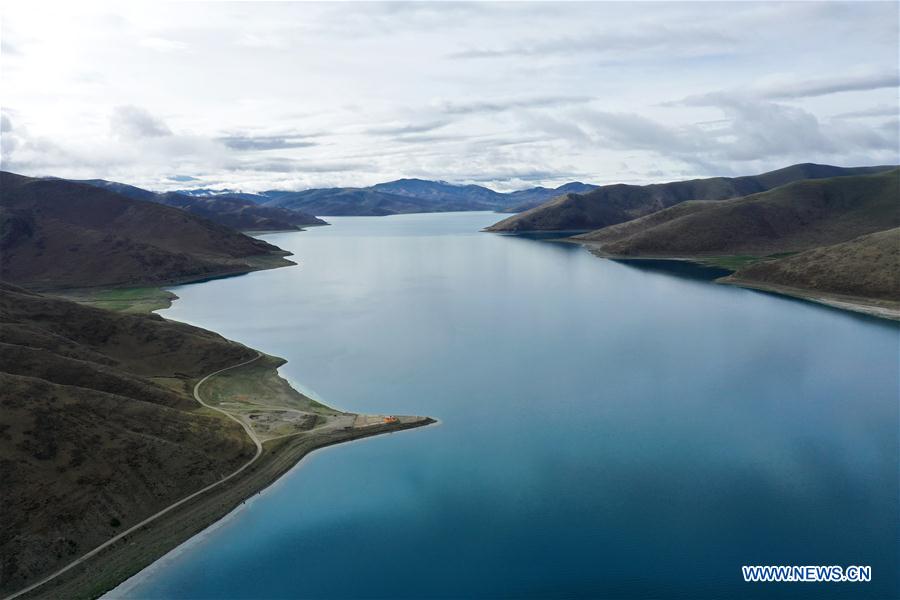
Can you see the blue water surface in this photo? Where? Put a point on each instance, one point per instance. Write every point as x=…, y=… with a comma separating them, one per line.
x=608, y=429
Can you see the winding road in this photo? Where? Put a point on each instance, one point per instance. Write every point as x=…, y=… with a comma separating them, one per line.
x=151, y=518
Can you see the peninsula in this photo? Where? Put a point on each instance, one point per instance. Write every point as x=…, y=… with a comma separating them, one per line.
x=124, y=433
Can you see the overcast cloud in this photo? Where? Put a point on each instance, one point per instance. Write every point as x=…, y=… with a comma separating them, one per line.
x=295, y=95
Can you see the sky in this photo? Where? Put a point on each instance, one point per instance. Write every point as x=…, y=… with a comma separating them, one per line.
x=255, y=96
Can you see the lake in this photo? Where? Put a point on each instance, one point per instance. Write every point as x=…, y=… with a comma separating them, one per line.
x=606, y=429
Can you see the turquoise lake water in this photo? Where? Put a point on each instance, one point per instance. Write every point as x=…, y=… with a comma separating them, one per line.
x=607, y=430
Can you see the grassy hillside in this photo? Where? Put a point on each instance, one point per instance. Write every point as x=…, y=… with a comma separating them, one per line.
x=791, y=218
x=98, y=427
x=59, y=234
x=612, y=204
x=864, y=267
x=234, y=211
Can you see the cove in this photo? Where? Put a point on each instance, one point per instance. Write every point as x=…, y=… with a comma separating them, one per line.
x=606, y=429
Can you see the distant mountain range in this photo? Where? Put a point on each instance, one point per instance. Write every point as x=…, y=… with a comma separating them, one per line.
x=232, y=210
x=397, y=197
x=612, y=204
x=364, y=202
x=56, y=233
x=528, y=199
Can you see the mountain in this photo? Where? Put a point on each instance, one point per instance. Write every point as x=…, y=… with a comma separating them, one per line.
x=208, y=192
x=396, y=197
x=56, y=233
x=791, y=218
x=99, y=428
x=612, y=204
x=362, y=202
x=129, y=191
x=232, y=210
x=241, y=214
x=441, y=193
x=864, y=267
x=523, y=200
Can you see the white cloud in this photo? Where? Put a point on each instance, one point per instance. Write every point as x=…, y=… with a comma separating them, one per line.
x=506, y=104
x=882, y=110
x=831, y=85
x=790, y=87
x=136, y=122
x=251, y=40
x=683, y=39
x=162, y=44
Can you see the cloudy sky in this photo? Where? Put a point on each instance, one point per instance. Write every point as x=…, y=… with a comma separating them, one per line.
x=295, y=95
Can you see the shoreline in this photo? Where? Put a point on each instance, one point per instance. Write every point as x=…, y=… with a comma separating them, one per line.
x=258, y=232
x=129, y=556
x=873, y=308
x=838, y=301
x=146, y=298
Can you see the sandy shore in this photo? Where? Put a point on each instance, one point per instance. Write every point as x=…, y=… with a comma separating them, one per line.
x=883, y=310
x=130, y=555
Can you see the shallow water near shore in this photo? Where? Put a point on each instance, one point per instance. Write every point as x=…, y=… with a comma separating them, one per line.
x=607, y=430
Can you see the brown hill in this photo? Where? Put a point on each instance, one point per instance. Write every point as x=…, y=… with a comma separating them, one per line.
x=864, y=267
x=612, y=204
x=60, y=234
x=791, y=218
x=98, y=427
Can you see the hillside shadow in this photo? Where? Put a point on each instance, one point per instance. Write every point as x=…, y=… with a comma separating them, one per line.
x=676, y=268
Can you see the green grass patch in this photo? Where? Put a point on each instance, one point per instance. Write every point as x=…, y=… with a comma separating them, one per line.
x=268, y=261
x=258, y=384
x=129, y=300
x=739, y=261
